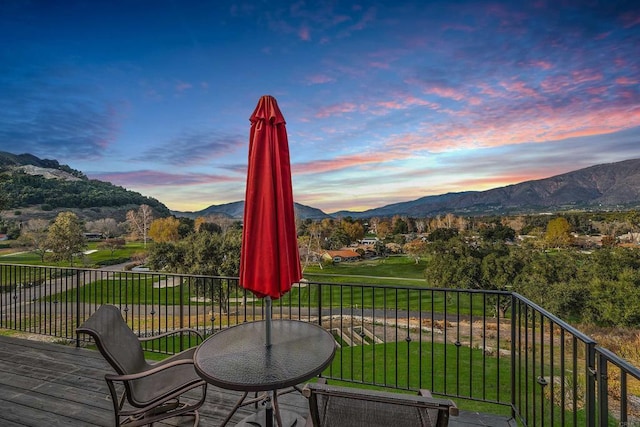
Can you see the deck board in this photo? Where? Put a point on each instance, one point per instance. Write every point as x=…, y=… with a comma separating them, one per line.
x=51, y=384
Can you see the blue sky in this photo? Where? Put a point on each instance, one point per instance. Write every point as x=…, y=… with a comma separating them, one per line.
x=385, y=101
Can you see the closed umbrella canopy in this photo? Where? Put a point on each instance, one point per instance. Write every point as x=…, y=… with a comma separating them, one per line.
x=269, y=260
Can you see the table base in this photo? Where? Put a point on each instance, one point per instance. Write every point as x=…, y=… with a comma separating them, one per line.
x=289, y=419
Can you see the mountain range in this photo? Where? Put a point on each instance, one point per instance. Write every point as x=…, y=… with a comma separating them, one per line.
x=600, y=187
x=30, y=183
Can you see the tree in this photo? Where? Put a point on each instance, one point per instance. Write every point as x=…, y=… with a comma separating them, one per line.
x=34, y=236
x=203, y=254
x=107, y=226
x=186, y=226
x=65, y=237
x=354, y=230
x=497, y=232
x=399, y=225
x=383, y=229
x=415, y=249
x=112, y=245
x=557, y=235
x=4, y=201
x=443, y=234
x=139, y=222
x=165, y=230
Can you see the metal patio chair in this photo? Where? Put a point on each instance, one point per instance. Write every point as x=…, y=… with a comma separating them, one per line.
x=333, y=406
x=151, y=392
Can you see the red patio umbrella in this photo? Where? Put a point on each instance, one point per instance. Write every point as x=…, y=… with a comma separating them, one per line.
x=269, y=260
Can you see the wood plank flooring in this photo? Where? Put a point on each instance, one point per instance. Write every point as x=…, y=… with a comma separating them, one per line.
x=51, y=384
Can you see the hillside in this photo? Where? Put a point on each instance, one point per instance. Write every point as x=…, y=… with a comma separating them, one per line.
x=236, y=209
x=41, y=188
x=605, y=186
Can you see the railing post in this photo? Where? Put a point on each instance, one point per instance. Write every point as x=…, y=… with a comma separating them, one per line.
x=603, y=391
x=77, y=306
x=590, y=395
x=181, y=309
x=513, y=356
x=319, y=304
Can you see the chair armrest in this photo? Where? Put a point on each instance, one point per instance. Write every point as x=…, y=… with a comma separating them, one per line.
x=453, y=410
x=424, y=392
x=306, y=392
x=155, y=369
x=176, y=331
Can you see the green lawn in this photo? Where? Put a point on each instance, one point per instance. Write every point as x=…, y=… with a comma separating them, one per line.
x=129, y=289
x=445, y=369
x=399, y=266
x=94, y=258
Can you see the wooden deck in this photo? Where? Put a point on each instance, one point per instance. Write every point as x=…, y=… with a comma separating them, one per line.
x=47, y=384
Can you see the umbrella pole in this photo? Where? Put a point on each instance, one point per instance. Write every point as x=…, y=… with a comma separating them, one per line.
x=268, y=321
x=268, y=311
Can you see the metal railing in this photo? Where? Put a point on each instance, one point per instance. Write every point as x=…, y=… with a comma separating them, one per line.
x=491, y=351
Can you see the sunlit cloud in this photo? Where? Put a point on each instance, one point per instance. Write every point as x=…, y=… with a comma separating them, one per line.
x=152, y=178
x=445, y=92
x=182, y=86
x=336, y=110
x=318, y=79
x=304, y=33
x=346, y=161
x=626, y=81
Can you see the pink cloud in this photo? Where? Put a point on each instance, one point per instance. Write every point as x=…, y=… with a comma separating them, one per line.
x=597, y=90
x=348, y=161
x=519, y=88
x=304, y=33
x=485, y=89
x=566, y=82
x=446, y=92
x=182, y=86
x=403, y=103
x=586, y=76
x=545, y=65
x=151, y=179
x=626, y=81
x=337, y=109
x=378, y=64
x=630, y=19
x=317, y=79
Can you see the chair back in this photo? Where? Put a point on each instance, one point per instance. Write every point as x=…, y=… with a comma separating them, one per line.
x=333, y=406
x=115, y=340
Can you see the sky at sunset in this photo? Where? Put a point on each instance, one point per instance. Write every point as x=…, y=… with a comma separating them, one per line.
x=385, y=101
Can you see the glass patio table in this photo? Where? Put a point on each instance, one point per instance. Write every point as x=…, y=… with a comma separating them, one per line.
x=238, y=359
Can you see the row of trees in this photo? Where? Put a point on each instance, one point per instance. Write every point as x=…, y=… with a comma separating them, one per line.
x=601, y=287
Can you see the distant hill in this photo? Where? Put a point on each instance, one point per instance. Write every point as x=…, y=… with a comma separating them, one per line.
x=40, y=188
x=605, y=186
x=235, y=210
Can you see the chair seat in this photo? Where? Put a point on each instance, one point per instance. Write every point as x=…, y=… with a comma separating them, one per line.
x=147, y=389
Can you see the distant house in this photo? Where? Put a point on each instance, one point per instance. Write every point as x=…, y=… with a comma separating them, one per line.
x=93, y=236
x=369, y=241
x=3, y=237
x=344, y=255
